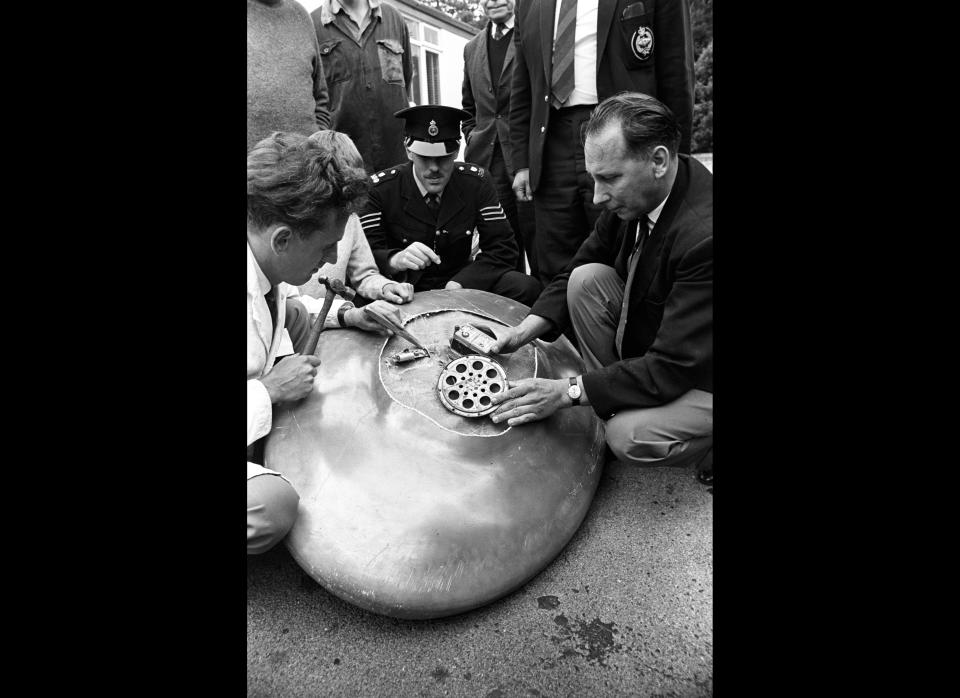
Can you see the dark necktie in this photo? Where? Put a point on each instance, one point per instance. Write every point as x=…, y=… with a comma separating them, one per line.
x=561, y=83
x=433, y=203
x=271, y=297
x=498, y=34
x=632, y=262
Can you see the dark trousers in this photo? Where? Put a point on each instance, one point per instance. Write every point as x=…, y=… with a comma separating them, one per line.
x=520, y=214
x=563, y=200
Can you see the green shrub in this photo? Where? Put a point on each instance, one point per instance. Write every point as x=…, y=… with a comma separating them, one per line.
x=702, y=140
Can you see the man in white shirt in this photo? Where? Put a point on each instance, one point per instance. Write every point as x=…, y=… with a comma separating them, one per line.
x=299, y=197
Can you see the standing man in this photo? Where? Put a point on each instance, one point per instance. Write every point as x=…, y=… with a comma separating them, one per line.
x=365, y=47
x=299, y=196
x=572, y=54
x=422, y=214
x=639, y=294
x=487, y=77
x=286, y=89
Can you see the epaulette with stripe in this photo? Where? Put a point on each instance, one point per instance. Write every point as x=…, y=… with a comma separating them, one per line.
x=470, y=168
x=384, y=175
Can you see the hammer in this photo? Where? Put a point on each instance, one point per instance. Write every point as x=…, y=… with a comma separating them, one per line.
x=334, y=287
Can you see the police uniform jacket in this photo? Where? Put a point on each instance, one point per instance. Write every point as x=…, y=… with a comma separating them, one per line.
x=397, y=215
x=665, y=71
x=668, y=339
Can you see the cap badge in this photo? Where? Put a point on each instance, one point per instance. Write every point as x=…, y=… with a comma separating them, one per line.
x=642, y=43
x=432, y=128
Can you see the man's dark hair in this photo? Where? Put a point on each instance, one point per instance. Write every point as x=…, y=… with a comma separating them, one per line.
x=297, y=181
x=644, y=121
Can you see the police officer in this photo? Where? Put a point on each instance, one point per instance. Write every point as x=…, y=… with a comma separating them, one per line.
x=422, y=214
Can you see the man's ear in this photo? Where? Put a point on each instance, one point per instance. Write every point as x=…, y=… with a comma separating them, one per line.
x=280, y=238
x=409, y=154
x=661, y=160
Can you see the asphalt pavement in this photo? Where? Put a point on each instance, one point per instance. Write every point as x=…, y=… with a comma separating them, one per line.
x=626, y=609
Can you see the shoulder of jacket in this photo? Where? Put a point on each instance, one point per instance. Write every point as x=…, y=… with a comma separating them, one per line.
x=469, y=168
x=386, y=175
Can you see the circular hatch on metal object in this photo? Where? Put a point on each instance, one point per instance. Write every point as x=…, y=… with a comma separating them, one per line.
x=466, y=385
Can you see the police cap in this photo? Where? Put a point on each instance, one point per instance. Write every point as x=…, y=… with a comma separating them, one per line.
x=432, y=130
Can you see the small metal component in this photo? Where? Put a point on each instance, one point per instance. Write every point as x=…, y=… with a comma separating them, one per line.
x=467, y=384
x=470, y=339
x=409, y=354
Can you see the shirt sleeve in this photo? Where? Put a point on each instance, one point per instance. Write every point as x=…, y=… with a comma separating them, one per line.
x=259, y=410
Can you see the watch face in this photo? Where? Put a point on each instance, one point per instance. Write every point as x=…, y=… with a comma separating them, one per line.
x=574, y=392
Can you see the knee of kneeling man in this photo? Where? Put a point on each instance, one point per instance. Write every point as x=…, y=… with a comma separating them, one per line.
x=531, y=291
x=631, y=441
x=271, y=516
x=585, y=276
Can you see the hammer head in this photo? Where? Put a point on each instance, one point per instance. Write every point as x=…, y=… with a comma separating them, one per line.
x=338, y=287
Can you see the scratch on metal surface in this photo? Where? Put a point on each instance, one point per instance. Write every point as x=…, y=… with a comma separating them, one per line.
x=294, y=415
x=377, y=555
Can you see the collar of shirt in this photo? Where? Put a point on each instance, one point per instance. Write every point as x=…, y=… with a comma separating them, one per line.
x=655, y=214
x=507, y=25
x=329, y=8
x=423, y=189
x=259, y=280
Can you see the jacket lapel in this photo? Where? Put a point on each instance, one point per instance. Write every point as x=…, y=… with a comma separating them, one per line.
x=507, y=71
x=413, y=204
x=650, y=258
x=451, y=202
x=605, y=13
x=548, y=9
x=481, y=59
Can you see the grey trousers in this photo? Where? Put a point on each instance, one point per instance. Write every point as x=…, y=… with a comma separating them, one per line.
x=678, y=433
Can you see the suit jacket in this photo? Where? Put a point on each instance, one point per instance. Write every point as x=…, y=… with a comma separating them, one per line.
x=396, y=215
x=666, y=73
x=668, y=338
x=487, y=101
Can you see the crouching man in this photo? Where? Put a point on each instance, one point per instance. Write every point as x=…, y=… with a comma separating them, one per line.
x=638, y=294
x=299, y=197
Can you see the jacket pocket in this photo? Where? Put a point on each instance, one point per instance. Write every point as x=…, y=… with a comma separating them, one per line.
x=636, y=27
x=336, y=66
x=391, y=61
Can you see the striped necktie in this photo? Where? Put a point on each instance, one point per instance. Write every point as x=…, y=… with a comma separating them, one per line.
x=498, y=34
x=562, y=82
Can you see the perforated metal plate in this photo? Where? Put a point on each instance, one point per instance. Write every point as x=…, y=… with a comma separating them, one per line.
x=467, y=384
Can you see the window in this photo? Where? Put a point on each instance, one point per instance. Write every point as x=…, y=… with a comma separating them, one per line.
x=433, y=78
x=425, y=59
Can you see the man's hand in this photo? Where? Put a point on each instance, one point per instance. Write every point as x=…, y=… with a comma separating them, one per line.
x=521, y=185
x=356, y=317
x=452, y=285
x=417, y=256
x=291, y=378
x=397, y=293
x=530, y=399
x=509, y=339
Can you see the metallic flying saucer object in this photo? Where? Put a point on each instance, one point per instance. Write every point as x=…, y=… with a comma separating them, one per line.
x=410, y=510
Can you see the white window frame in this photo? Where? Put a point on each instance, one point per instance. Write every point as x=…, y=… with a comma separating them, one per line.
x=421, y=67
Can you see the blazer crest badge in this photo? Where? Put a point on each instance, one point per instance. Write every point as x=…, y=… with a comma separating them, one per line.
x=642, y=43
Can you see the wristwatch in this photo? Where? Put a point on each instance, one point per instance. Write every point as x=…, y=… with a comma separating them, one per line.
x=573, y=392
x=342, y=312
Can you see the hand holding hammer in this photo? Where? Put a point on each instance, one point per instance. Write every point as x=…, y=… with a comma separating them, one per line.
x=333, y=287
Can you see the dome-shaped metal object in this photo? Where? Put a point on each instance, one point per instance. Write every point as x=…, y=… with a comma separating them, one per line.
x=467, y=384
x=410, y=510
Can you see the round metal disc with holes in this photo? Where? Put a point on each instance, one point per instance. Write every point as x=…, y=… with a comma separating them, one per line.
x=467, y=384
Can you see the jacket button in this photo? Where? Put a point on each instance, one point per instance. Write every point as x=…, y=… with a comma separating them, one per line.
x=543, y=129
x=498, y=116
x=546, y=98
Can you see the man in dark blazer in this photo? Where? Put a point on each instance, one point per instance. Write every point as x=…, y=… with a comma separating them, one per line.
x=421, y=215
x=487, y=100
x=636, y=45
x=638, y=293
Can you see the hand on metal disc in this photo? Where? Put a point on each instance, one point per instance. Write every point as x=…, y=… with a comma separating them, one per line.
x=417, y=256
x=508, y=340
x=529, y=400
x=291, y=378
x=357, y=318
x=397, y=293
x=521, y=185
